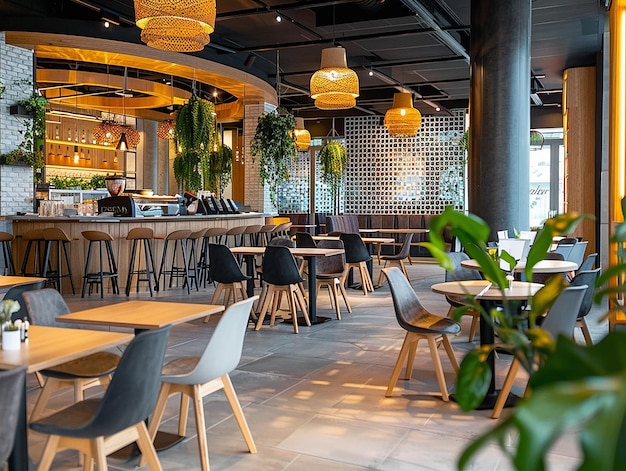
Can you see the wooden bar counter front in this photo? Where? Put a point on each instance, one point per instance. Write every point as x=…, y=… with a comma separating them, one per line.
x=118, y=228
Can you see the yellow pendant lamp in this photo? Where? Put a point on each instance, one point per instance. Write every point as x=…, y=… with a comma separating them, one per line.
x=181, y=26
x=402, y=120
x=302, y=135
x=334, y=86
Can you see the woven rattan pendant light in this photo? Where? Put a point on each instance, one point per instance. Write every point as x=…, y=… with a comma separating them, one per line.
x=334, y=86
x=107, y=133
x=166, y=129
x=180, y=26
x=402, y=120
x=302, y=135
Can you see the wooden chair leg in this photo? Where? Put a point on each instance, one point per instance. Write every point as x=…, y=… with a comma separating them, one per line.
x=441, y=379
x=49, y=452
x=473, y=327
x=344, y=295
x=582, y=323
x=408, y=339
x=265, y=306
x=231, y=396
x=292, y=309
x=410, y=359
x=332, y=289
x=506, y=389
x=303, y=306
x=203, y=446
x=446, y=344
x=144, y=442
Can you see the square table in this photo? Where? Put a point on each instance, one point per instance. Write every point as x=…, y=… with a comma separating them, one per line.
x=141, y=315
x=310, y=254
x=488, y=296
x=48, y=347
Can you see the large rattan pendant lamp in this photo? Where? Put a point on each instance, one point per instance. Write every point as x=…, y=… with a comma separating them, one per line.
x=402, y=120
x=334, y=86
x=179, y=26
x=302, y=135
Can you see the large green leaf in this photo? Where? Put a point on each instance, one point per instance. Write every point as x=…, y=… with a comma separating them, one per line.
x=473, y=378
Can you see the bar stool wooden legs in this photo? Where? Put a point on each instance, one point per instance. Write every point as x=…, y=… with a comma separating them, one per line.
x=97, y=277
x=7, y=256
x=54, y=235
x=145, y=236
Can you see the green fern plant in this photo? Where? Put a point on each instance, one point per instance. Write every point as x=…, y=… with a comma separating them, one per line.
x=218, y=170
x=333, y=163
x=274, y=144
x=195, y=124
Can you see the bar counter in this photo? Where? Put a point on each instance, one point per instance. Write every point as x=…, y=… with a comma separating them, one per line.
x=118, y=228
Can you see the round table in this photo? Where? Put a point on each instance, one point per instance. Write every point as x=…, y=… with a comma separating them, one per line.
x=544, y=266
x=488, y=296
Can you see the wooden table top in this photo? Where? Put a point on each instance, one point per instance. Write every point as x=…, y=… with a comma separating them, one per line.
x=544, y=266
x=51, y=346
x=9, y=281
x=519, y=291
x=405, y=230
x=141, y=315
x=299, y=252
x=366, y=240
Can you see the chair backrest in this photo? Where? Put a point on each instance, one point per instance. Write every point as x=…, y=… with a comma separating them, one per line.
x=333, y=263
x=565, y=246
x=543, y=277
x=280, y=267
x=577, y=254
x=223, y=352
x=282, y=242
x=223, y=266
x=530, y=235
x=132, y=394
x=459, y=273
x=44, y=305
x=406, y=246
x=305, y=240
x=561, y=318
x=16, y=294
x=586, y=277
x=343, y=223
x=589, y=262
x=518, y=248
x=502, y=235
x=355, y=248
x=11, y=392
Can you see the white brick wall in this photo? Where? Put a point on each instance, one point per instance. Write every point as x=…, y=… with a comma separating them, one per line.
x=16, y=73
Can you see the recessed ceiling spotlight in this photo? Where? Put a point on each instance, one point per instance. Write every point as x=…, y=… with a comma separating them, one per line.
x=214, y=93
x=371, y=73
x=106, y=24
x=278, y=18
x=437, y=108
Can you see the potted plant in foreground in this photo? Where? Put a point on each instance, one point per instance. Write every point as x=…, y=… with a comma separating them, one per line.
x=573, y=388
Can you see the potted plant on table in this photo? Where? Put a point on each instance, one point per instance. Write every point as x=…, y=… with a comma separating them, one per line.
x=10, y=331
x=274, y=144
x=572, y=387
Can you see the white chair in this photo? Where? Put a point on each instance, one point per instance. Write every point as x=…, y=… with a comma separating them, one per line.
x=517, y=248
x=530, y=235
x=560, y=320
x=196, y=377
x=503, y=235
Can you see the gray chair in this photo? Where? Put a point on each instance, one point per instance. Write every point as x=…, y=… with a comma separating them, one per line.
x=100, y=426
x=16, y=293
x=419, y=324
x=197, y=377
x=560, y=320
x=358, y=257
x=42, y=307
x=332, y=272
x=398, y=259
x=460, y=273
x=577, y=253
x=588, y=263
x=587, y=278
x=11, y=392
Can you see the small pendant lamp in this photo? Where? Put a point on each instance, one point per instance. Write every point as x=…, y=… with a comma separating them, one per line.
x=302, y=135
x=166, y=129
x=334, y=86
x=402, y=120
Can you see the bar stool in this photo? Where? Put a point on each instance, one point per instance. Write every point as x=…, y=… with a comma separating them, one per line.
x=237, y=234
x=55, y=235
x=97, y=277
x=264, y=234
x=35, y=244
x=203, y=264
x=253, y=235
x=7, y=256
x=144, y=235
x=193, y=254
x=179, y=237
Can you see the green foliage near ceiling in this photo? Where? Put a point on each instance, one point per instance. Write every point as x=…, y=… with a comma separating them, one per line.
x=274, y=144
x=218, y=171
x=195, y=128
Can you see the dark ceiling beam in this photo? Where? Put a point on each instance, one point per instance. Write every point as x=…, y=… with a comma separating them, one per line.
x=282, y=8
x=346, y=39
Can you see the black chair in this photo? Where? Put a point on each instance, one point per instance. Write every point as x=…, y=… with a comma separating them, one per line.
x=280, y=275
x=419, y=324
x=398, y=259
x=460, y=273
x=588, y=263
x=11, y=392
x=305, y=240
x=42, y=307
x=100, y=426
x=16, y=294
x=224, y=269
x=587, y=277
x=357, y=256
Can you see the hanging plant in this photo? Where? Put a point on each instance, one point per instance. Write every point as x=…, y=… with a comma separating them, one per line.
x=333, y=163
x=275, y=145
x=195, y=123
x=218, y=171
x=31, y=149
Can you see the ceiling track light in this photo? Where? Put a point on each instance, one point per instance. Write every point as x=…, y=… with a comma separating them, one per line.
x=278, y=18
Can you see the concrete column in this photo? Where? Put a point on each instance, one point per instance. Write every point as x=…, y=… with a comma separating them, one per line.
x=150, y=155
x=498, y=165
